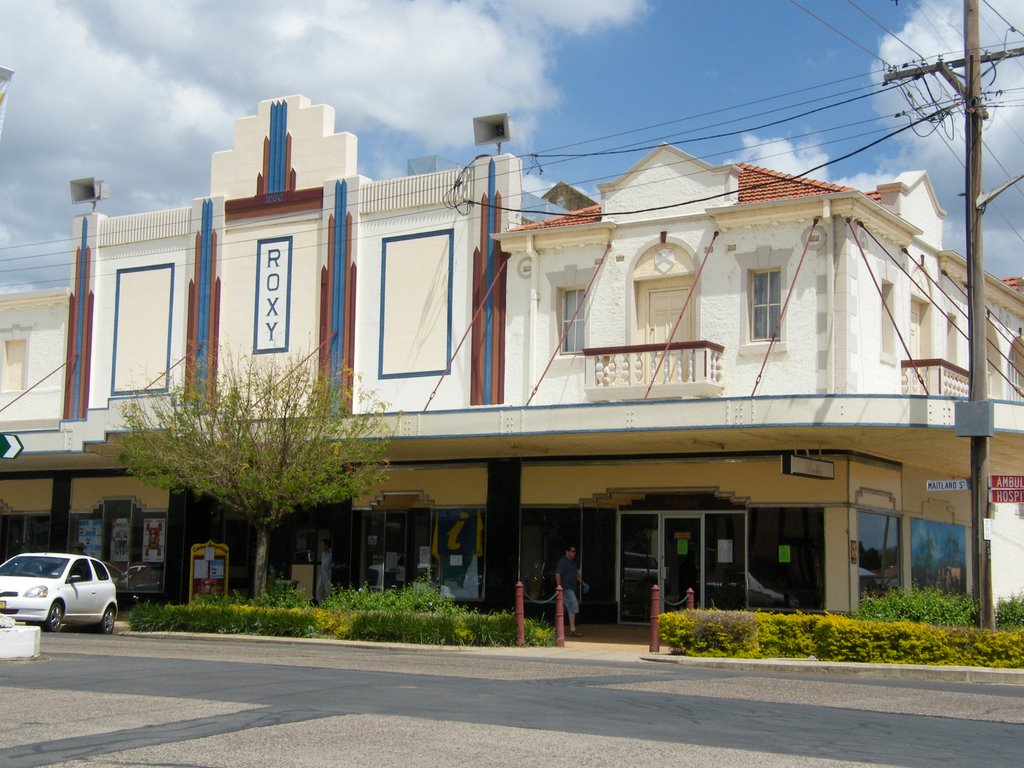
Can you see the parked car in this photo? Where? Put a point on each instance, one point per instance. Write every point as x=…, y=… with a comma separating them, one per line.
x=52, y=589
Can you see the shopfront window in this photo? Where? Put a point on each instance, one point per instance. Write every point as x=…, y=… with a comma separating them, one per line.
x=725, y=565
x=544, y=535
x=444, y=545
x=786, y=552
x=878, y=552
x=133, y=540
x=27, y=533
x=938, y=556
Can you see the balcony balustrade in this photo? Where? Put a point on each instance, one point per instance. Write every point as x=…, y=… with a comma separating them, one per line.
x=941, y=378
x=689, y=369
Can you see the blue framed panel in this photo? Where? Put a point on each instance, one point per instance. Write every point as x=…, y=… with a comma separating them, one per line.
x=151, y=327
x=272, y=307
x=386, y=370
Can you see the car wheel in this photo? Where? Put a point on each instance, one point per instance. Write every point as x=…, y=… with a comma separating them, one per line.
x=54, y=617
x=106, y=625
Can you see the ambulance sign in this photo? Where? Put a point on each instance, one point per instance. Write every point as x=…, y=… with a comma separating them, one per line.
x=1006, y=489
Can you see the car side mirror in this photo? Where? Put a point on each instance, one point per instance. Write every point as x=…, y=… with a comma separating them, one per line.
x=74, y=577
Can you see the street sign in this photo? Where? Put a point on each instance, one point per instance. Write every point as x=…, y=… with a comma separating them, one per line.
x=1006, y=495
x=10, y=446
x=948, y=485
x=1006, y=482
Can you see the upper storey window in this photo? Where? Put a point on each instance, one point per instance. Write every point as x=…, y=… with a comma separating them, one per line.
x=572, y=321
x=766, y=304
x=13, y=365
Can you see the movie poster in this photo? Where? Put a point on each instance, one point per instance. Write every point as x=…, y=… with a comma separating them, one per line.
x=153, y=540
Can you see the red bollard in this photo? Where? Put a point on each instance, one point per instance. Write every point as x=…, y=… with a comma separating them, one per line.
x=559, y=619
x=655, y=646
x=520, y=616
x=689, y=599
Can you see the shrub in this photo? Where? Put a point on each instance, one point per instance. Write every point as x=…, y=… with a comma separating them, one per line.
x=789, y=636
x=222, y=617
x=928, y=606
x=225, y=615
x=1010, y=612
x=710, y=633
x=281, y=594
x=838, y=638
x=421, y=596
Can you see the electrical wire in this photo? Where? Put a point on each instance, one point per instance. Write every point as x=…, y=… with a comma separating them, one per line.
x=887, y=31
x=839, y=32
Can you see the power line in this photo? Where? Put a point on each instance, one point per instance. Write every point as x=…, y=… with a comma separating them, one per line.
x=839, y=32
x=885, y=29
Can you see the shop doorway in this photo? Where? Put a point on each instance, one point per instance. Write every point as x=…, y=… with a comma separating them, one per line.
x=702, y=551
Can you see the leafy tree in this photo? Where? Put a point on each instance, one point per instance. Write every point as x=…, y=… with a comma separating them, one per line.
x=268, y=439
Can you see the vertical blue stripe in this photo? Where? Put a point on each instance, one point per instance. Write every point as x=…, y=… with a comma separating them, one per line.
x=338, y=297
x=278, y=145
x=204, y=293
x=489, y=306
x=80, y=287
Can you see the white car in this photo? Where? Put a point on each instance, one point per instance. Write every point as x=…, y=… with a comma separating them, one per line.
x=53, y=589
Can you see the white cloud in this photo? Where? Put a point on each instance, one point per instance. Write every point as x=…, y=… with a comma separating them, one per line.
x=935, y=28
x=782, y=154
x=141, y=94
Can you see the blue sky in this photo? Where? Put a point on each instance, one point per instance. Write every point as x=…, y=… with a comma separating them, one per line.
x=141, y=94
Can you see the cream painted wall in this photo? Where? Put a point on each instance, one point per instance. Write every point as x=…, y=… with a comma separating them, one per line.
x=87, y=492
x=317, y=152
x=239, y=260
x=840, y=574
x=416, y=304
x=757, y=481
x=142, y=327
x=26, y=495
x=143, y=350
x=437, y=486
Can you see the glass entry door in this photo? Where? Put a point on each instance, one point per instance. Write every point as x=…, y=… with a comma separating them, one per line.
x=662, y=549
x=682, y=566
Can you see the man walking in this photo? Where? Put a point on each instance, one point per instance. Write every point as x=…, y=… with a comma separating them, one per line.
x=567, y=576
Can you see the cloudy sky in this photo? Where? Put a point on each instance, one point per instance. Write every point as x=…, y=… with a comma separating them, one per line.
x=140, y=94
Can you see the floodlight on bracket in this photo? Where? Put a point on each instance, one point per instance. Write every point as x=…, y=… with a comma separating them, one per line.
x=89, y=190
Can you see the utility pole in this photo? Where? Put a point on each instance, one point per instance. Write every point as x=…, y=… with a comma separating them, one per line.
x=976, y=316
x=974, y=418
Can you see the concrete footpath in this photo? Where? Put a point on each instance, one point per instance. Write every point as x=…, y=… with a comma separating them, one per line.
x=632, y=645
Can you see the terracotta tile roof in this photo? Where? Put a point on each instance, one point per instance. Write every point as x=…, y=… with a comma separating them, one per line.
x=586, y=215
x=756, y=185
x=762, y=184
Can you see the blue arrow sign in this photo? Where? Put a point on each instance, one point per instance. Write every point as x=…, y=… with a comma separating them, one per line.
x=10, y=446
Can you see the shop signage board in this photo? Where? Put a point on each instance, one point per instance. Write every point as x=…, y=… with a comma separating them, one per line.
x=1006, y=489
x=804, y=467
x=10, y=446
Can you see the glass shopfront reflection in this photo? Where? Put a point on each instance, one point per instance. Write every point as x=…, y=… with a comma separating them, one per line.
x=702, y=552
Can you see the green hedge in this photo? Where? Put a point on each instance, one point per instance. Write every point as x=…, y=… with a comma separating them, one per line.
x=837, y=638
x=445, y=628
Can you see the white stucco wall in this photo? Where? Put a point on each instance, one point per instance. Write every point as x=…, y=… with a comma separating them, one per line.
x=1007, y=550
x=39, y=318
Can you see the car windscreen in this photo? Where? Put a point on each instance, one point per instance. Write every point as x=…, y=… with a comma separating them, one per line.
x=34, y=565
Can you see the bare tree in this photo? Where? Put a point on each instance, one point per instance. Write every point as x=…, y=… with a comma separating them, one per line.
x=268, y=439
